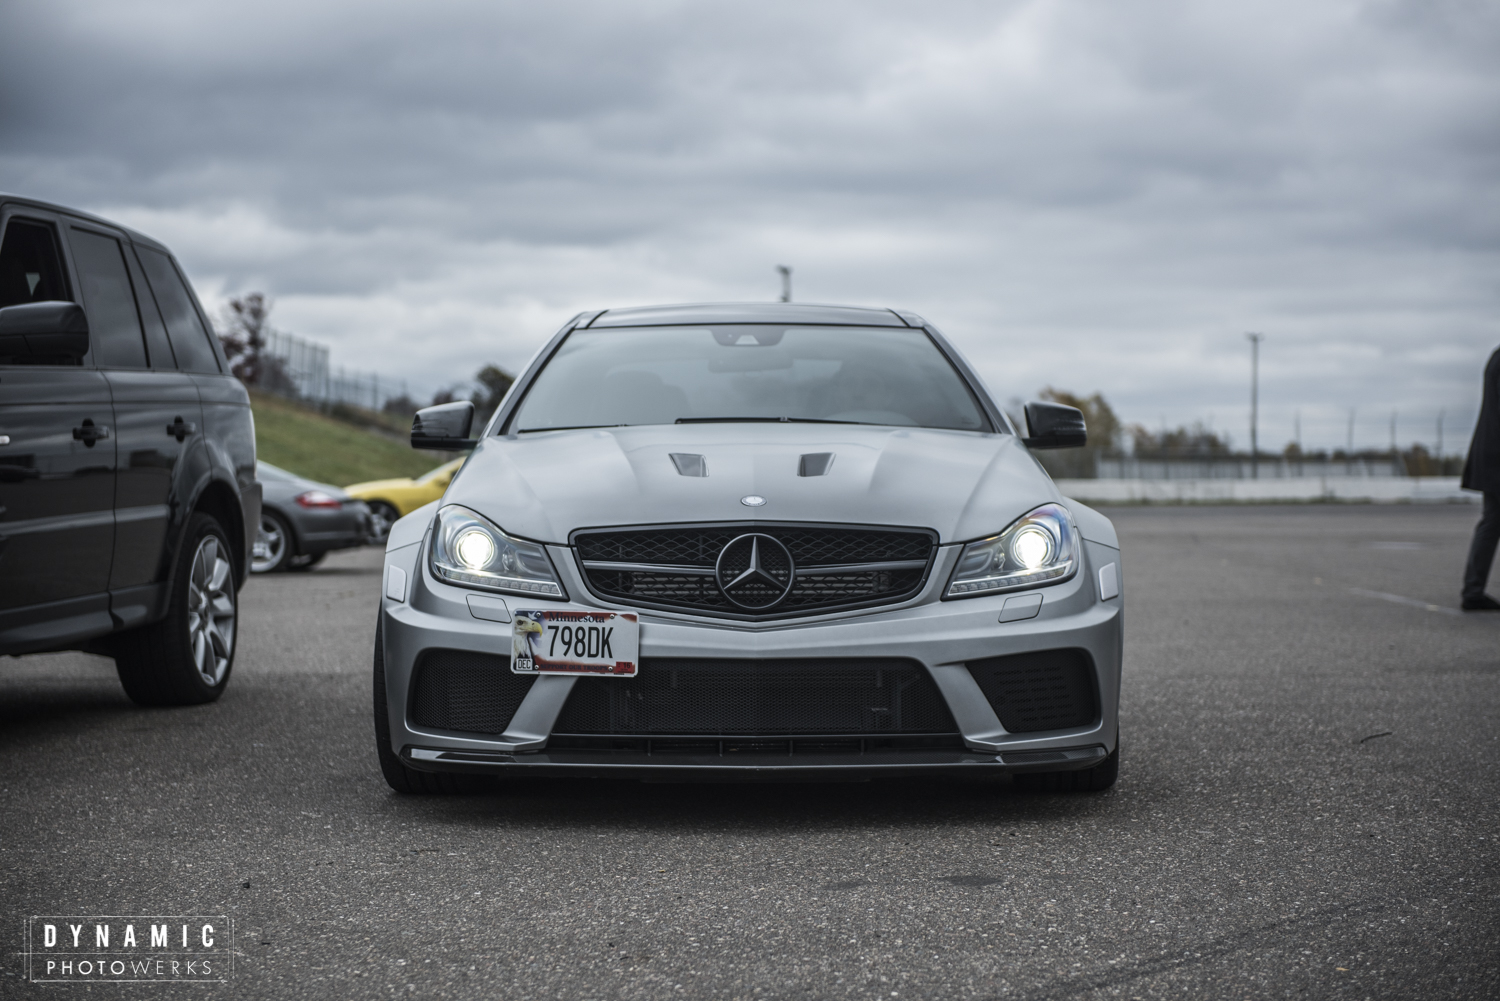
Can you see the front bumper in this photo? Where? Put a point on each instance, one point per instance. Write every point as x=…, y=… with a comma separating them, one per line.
x=420, y=613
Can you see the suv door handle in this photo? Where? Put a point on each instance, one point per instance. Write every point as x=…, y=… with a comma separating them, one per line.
x=90, y=433
x=180, y=428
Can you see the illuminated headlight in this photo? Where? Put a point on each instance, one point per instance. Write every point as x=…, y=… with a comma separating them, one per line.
x=469, y=551
x=1040, y=548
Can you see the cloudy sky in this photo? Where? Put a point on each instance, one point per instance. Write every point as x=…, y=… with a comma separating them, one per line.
x=1092, y=195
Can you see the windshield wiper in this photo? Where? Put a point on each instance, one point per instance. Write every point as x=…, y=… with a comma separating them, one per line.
x=761, y=420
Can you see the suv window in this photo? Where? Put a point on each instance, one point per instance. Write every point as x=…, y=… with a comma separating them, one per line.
x=189, y=338
x=114, y=322
x=30, y=268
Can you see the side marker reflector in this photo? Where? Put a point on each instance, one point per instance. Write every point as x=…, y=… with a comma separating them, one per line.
x=395, y=584
x=1109, y=582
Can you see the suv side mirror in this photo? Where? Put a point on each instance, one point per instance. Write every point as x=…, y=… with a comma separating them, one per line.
x=1052, y=425
x=444, y=427
x=43, y=333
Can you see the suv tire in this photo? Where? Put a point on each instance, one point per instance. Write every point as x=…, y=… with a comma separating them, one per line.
x=185, y=659
x=397, y=775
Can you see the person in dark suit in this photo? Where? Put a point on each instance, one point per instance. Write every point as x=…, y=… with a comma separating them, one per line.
x=1482, y=472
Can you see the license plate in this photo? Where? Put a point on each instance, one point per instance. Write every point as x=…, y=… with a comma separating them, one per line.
x=565, y=642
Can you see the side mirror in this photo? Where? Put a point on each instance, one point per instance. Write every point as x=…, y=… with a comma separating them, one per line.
x=444, y=427
x=1052, y=425
x=43, y=333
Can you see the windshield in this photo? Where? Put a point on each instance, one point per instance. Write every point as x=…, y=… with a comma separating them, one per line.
x=755, y=372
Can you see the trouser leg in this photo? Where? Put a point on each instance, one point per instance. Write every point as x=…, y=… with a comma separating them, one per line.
x=1482, y=549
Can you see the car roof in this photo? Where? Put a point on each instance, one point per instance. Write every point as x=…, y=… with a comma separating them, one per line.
x=752, y=312
x=135, y=237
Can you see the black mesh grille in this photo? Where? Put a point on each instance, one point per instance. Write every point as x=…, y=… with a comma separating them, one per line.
x=726, y=697
x=462, y=690
x=699, y=546
x=1049, y=690
x=758, y=748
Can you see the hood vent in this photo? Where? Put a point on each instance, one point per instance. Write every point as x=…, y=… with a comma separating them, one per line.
x=689, y=464
x=814, y=464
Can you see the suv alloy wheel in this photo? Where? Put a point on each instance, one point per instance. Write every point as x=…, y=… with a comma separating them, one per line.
x=186, y=658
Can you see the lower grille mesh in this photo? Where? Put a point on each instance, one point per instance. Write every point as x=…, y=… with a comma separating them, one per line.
x=1047, y=690
x=725, y=697
x=462, y=690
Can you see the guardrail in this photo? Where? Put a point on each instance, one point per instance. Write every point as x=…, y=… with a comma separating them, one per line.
x=1294, y=489
x=1236, y=468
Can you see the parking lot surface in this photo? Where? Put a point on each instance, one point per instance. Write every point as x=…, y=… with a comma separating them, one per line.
x=1307, y=808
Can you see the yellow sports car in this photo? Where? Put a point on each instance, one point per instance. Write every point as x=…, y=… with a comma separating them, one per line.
x=390, y=499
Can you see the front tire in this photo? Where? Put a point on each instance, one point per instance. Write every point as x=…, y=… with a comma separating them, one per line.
x=185, y=659
x=397, y=775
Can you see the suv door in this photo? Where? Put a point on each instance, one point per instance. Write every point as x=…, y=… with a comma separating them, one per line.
x=226, y=405
x=157, y=416
x=57, y=463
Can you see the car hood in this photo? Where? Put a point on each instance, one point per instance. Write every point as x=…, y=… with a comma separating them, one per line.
x=374, y=485
x=543, y=486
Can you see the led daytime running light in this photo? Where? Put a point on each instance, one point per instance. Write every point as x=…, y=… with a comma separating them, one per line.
x=469, y=551
x=1039, y=548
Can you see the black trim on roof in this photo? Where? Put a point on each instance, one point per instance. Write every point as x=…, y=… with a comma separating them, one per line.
x=747, y=312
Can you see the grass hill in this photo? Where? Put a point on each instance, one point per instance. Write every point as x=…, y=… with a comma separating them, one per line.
x=332, y=450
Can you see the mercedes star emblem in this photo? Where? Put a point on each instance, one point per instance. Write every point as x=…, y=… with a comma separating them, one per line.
x=755, y=571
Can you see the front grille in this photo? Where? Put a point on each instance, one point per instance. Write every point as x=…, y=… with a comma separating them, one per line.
x=674, y=567
x=719, y=698
x=1047, y=690
x=462, y=690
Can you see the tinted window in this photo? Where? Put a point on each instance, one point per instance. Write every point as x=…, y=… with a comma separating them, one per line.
x=659, y=375
x=114, y=323
x=189, y=338
x=30, y=268
x=158, y=348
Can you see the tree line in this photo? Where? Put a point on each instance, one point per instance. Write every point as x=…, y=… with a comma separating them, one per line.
x=244, y=327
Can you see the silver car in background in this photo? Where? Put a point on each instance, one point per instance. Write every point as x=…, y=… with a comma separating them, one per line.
x=301, y=521
x=750, y=540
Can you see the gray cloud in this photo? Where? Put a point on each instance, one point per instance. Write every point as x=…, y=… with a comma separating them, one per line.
x=1085, y=195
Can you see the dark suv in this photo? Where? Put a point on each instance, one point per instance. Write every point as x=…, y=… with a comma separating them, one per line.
x=128, y=500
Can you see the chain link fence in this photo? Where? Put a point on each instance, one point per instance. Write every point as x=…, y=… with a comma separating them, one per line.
x=299, y=369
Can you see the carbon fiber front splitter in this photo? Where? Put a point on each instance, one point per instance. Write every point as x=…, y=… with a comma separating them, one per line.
x=715, y=767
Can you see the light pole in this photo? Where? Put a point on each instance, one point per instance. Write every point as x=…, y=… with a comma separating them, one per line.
x=786, y=282
x=1254, y=404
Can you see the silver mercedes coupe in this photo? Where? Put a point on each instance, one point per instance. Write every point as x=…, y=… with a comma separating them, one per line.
x=768, y=540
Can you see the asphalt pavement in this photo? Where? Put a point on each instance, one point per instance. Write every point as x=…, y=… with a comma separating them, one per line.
x=1307, y=808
